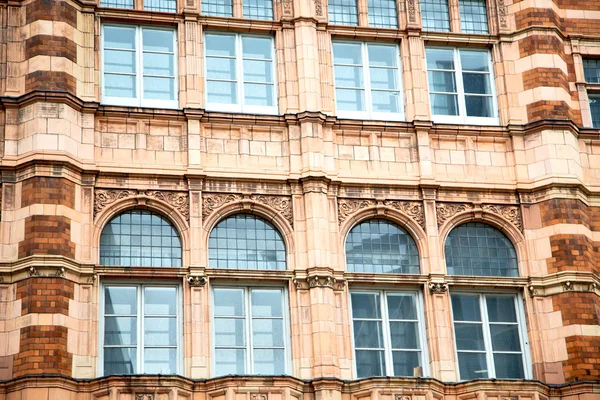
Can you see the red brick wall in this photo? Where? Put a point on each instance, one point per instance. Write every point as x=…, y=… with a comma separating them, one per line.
x=45, y=190
x=578, y=308
x=569, y=211
x=45, y=295
x=47, y=234
x=43, y=350
x=51, y=10
x=48, y=45
x=584, y=358
x=50, y=80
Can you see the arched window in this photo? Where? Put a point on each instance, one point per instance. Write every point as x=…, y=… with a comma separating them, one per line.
x=140, y=238
x=245, y=241
x=479, y=249
x=380, y=246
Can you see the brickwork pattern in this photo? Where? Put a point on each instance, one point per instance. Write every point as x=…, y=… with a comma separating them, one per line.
x=48, y=45
x=45, y=295
x=51, y=10
x=43, y=351
x=46, y=190
x=569, y=211
x=50, y=80
x=47, y=234
x=584, y=361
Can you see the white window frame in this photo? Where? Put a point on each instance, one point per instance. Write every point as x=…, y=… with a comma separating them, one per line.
x=140, y=323
x=139, y=100
x=389, y=365
x=248, y=325
x=462, y=117
x=240, y=107
x=369, y=113
x=487, y=339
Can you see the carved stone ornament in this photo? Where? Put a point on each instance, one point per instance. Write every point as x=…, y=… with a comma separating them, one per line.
x=446, y=211
x=258, y=396
x=502, y=13
x=144, y=397
x=413, y=209
x=178, y=200
x=214, y=201
x=318, y=8
x=568, y=287
x=33, y=272
x=282, y=204
x=438, y=287
x=347, y=207
x=412, y=11
x=60, y=273
x=510, y=213
x=402, y=397
x=315, y=281
x=286, y=6
x=196, y=280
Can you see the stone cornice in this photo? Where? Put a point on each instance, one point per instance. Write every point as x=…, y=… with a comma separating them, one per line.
x=562, y=282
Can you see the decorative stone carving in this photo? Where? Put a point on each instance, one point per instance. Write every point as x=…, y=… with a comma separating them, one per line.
x=196, y=280
x=214, y=201
x=402, y=397
x=60, y=273
x=283, y=204
x=510, y=213
x=319, y=281
x=568, y=286
x=438, y=287
x=144, y=397
x=318, y=8
x=411, y=8
x=413, y=209
x=502, y=13
x=33, y=272
x=258, y=396
x=446, y=211
x=178, y=200
x=286, y=6
x=347, y=207
x=104, y=197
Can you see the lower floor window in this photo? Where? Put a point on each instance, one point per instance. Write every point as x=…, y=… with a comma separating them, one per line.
x=595, y=109
x=489, y=336
x=250, y=331
x=388, y=334
x=141, y=329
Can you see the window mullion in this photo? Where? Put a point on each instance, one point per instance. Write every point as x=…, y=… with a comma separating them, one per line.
x=387, y=339
x=240, y=71
x=487, y=339
x=460, y=89
x=140, y=64
x=367, y=79
x=140, y=335
x=249, y=341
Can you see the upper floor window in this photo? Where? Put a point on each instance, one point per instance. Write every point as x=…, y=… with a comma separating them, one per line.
x=141, y=329
x=343, y=12
x=367, y=80
x=382, y=13
x=140, y=238
x=218, y=8
x=435, y=15
x=240, y=73
x=473, y=16
x=379, y=246
x=591, y=68
x=461, y=86
x=150, y=5
x=139, y=66
x=490, y=336
x=245, y=241
x=479, y=249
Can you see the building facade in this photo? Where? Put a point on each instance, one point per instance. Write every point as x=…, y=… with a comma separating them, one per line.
x=300, y=199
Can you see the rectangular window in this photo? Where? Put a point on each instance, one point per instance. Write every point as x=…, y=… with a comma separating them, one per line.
x=591, y=69
x=160, y=5
x=388, y=334
x=141, y=329
x=490, y=336
x=595, y=109
x=343, y=12
x=240, y=73
x=139, y=66
x=473, y=16
x=435, y=15
x=382, y=13
x=250, y=331
x=461, y=86
x=368, y=80
x=217, y=8
x=117, y=3
x=258, y=9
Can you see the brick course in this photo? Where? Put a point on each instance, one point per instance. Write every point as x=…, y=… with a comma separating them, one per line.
x=552, y=110
x=577, y=308
x=583, y=363
x=47, y=234
x=573, y=253
x=43, y=350
x=50, y=80
x=48, y=45
x=45, y=295
x=51, y=10
x=569, y=211
x=45, y=190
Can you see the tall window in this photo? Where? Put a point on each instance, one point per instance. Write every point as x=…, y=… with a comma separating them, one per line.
x=435, y=15
x=141, y=329
x=379, y=246
x=240, y=73
x=218, y=8
x=343, y=12
x=382, y=13
x=388, y=334
x=490, y=336
x=473, y=16
x=461, y=86
x=250, y=331
x=367, y=80
x=245, y=241
x=139, y=66
x=591, y=68
x=140, y=238
x=479, y=249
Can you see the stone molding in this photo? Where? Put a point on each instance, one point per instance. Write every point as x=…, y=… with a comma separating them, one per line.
x=502, y=14
x=348, y=207
x=445, y=211
x=322, y=281
x=564, y=282
x=211, y=202
x=411, y=8
x=178, y=200
x=196, y=280
x=414, y=209
x=510, y=213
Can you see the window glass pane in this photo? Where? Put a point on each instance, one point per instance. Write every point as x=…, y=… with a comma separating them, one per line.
x=444, y=104
x=472, y=366
x=350, y=100
x=229, y=302
x=595, y=110
x=473, y=16
x=501, y=308
x=368, y=334
x=379, y=246
x=258, y=95
x=469, y=336
x=509, y=366
x=230, y=332
x=220, y=68
x=120, y=300
x=120, y=331
x=158, y=64
x=259, y=48
x=477, y=83
x=475, y=60
x=159, y=88
x=382, y=13
x=405, y=362
x=401, y=306
x=404, y=335
x=119, y=86
x=440, y=58
x=435, y=15
x=479, y=106
x=222, y=92
x=384, y=78
x=160, y=5
x=160, y=331
x=369, y=363
x=160, y=301
x=347, y=53
x=365, y=305
x=388, y=102
x=505, y=337
x=258, y=9
x=269, y=362
x=119, y=61
x=119, y=37
x=160, y=361
x=343, y=12
x=258, y=71
x=230, y=361
x=440, y=81
x=348, y=77
x=479, y=249
x=591, y=68
x=260, y=246
x=117, y=3
x=219, y=8
x=120, y=361
x=267, y=332
x=466, y=307
x=158, y=40
x=220, y=45
x=266, y=303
